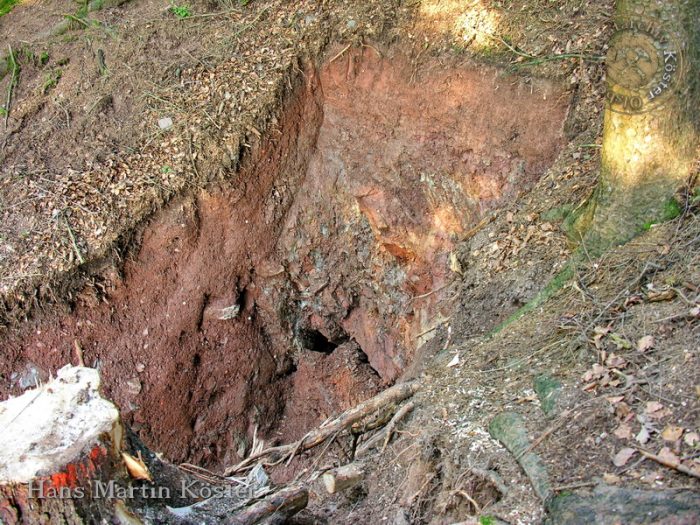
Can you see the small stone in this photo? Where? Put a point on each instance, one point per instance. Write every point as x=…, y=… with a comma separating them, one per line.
x=133, y=386
x=165, y=123
x=351, y=25
x=140, y=367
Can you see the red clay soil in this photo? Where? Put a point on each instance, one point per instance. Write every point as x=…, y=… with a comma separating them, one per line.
x=289, y=293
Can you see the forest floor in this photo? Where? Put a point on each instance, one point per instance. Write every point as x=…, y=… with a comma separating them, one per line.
x=313, y=200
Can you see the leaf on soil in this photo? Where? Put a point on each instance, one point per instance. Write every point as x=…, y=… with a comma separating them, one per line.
x=615, y=361
x=622, y=410
x=669, y=457
x=136, y=467
x=600, y=332
x=692, y=439
x=656, y=297
x=620, y=342
x=454, y=362
x=623, y=456
x=615, y=399
x=653, y=406
x=672, y=433
x=645, y=343
x=611, y=479
x=643, y=436
x=656, y=410
x=624, y=431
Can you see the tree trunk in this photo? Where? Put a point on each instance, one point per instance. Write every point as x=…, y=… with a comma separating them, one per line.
x=60, y=441
x=650, y=134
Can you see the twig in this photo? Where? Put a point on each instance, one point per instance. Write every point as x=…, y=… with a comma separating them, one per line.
x=76, y=19
x=670, y=464
x=78, y=353
x=436, y=290
x=551, y=58
x=571, y=486
x=14, y=74
x=519, y=361
x=471, y=500
x=346, y=419
x=75, y=244
x=336, y=57
x=562, y=419
x=388, y=431
x=430, y=329
x=483, y=222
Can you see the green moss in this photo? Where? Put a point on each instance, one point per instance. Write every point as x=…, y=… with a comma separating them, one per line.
x=670, y=211
x=51, y=80
x=558, y=214
x=7, y=5
x=547, y=388
x=543, y=296
x=487, y=520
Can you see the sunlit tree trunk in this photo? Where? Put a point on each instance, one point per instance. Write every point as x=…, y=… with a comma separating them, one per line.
x=651, y=122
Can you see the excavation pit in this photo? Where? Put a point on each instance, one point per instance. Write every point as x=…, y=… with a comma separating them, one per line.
x=298, y=286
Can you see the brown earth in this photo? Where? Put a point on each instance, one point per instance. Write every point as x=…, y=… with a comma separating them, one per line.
x=322, y=221
x=322, y=246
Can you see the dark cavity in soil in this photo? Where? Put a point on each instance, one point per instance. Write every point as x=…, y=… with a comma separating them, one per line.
x=298, y=287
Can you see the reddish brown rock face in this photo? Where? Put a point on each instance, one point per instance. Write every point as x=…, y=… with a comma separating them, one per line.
x=290, y=291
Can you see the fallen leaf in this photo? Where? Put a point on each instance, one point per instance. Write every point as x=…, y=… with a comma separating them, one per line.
x=669, y=457
x=136, y=467
x=692, y=439
x=659, y=413
x=611, y=479
x=620, y=342
x=656, y=297
x=622, y=410
x=624, y=431
x=600, y=332
x=454, y=362
x=623, y=456
x=615, y=361
x=645, y=343
x=672, y=433
x=653, y=406
x=643, y=436
x=615, y=399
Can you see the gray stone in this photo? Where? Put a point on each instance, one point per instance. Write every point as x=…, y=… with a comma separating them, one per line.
x=606, y=504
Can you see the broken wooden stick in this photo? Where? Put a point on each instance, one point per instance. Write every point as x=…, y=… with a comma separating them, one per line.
x=675, y=465
x=277, y=508
x=395, y=394
x=387, y=432
x=344, y=477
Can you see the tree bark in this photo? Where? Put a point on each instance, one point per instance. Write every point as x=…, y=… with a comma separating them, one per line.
x=277, y=508
x=344, y=477
x=650, y=134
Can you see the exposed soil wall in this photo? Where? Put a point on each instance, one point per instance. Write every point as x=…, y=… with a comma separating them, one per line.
x=298, y=288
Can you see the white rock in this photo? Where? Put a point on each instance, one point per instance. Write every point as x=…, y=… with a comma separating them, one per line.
x=165, y=123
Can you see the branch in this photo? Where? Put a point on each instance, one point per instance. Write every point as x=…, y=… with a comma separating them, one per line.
x=395, y=394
